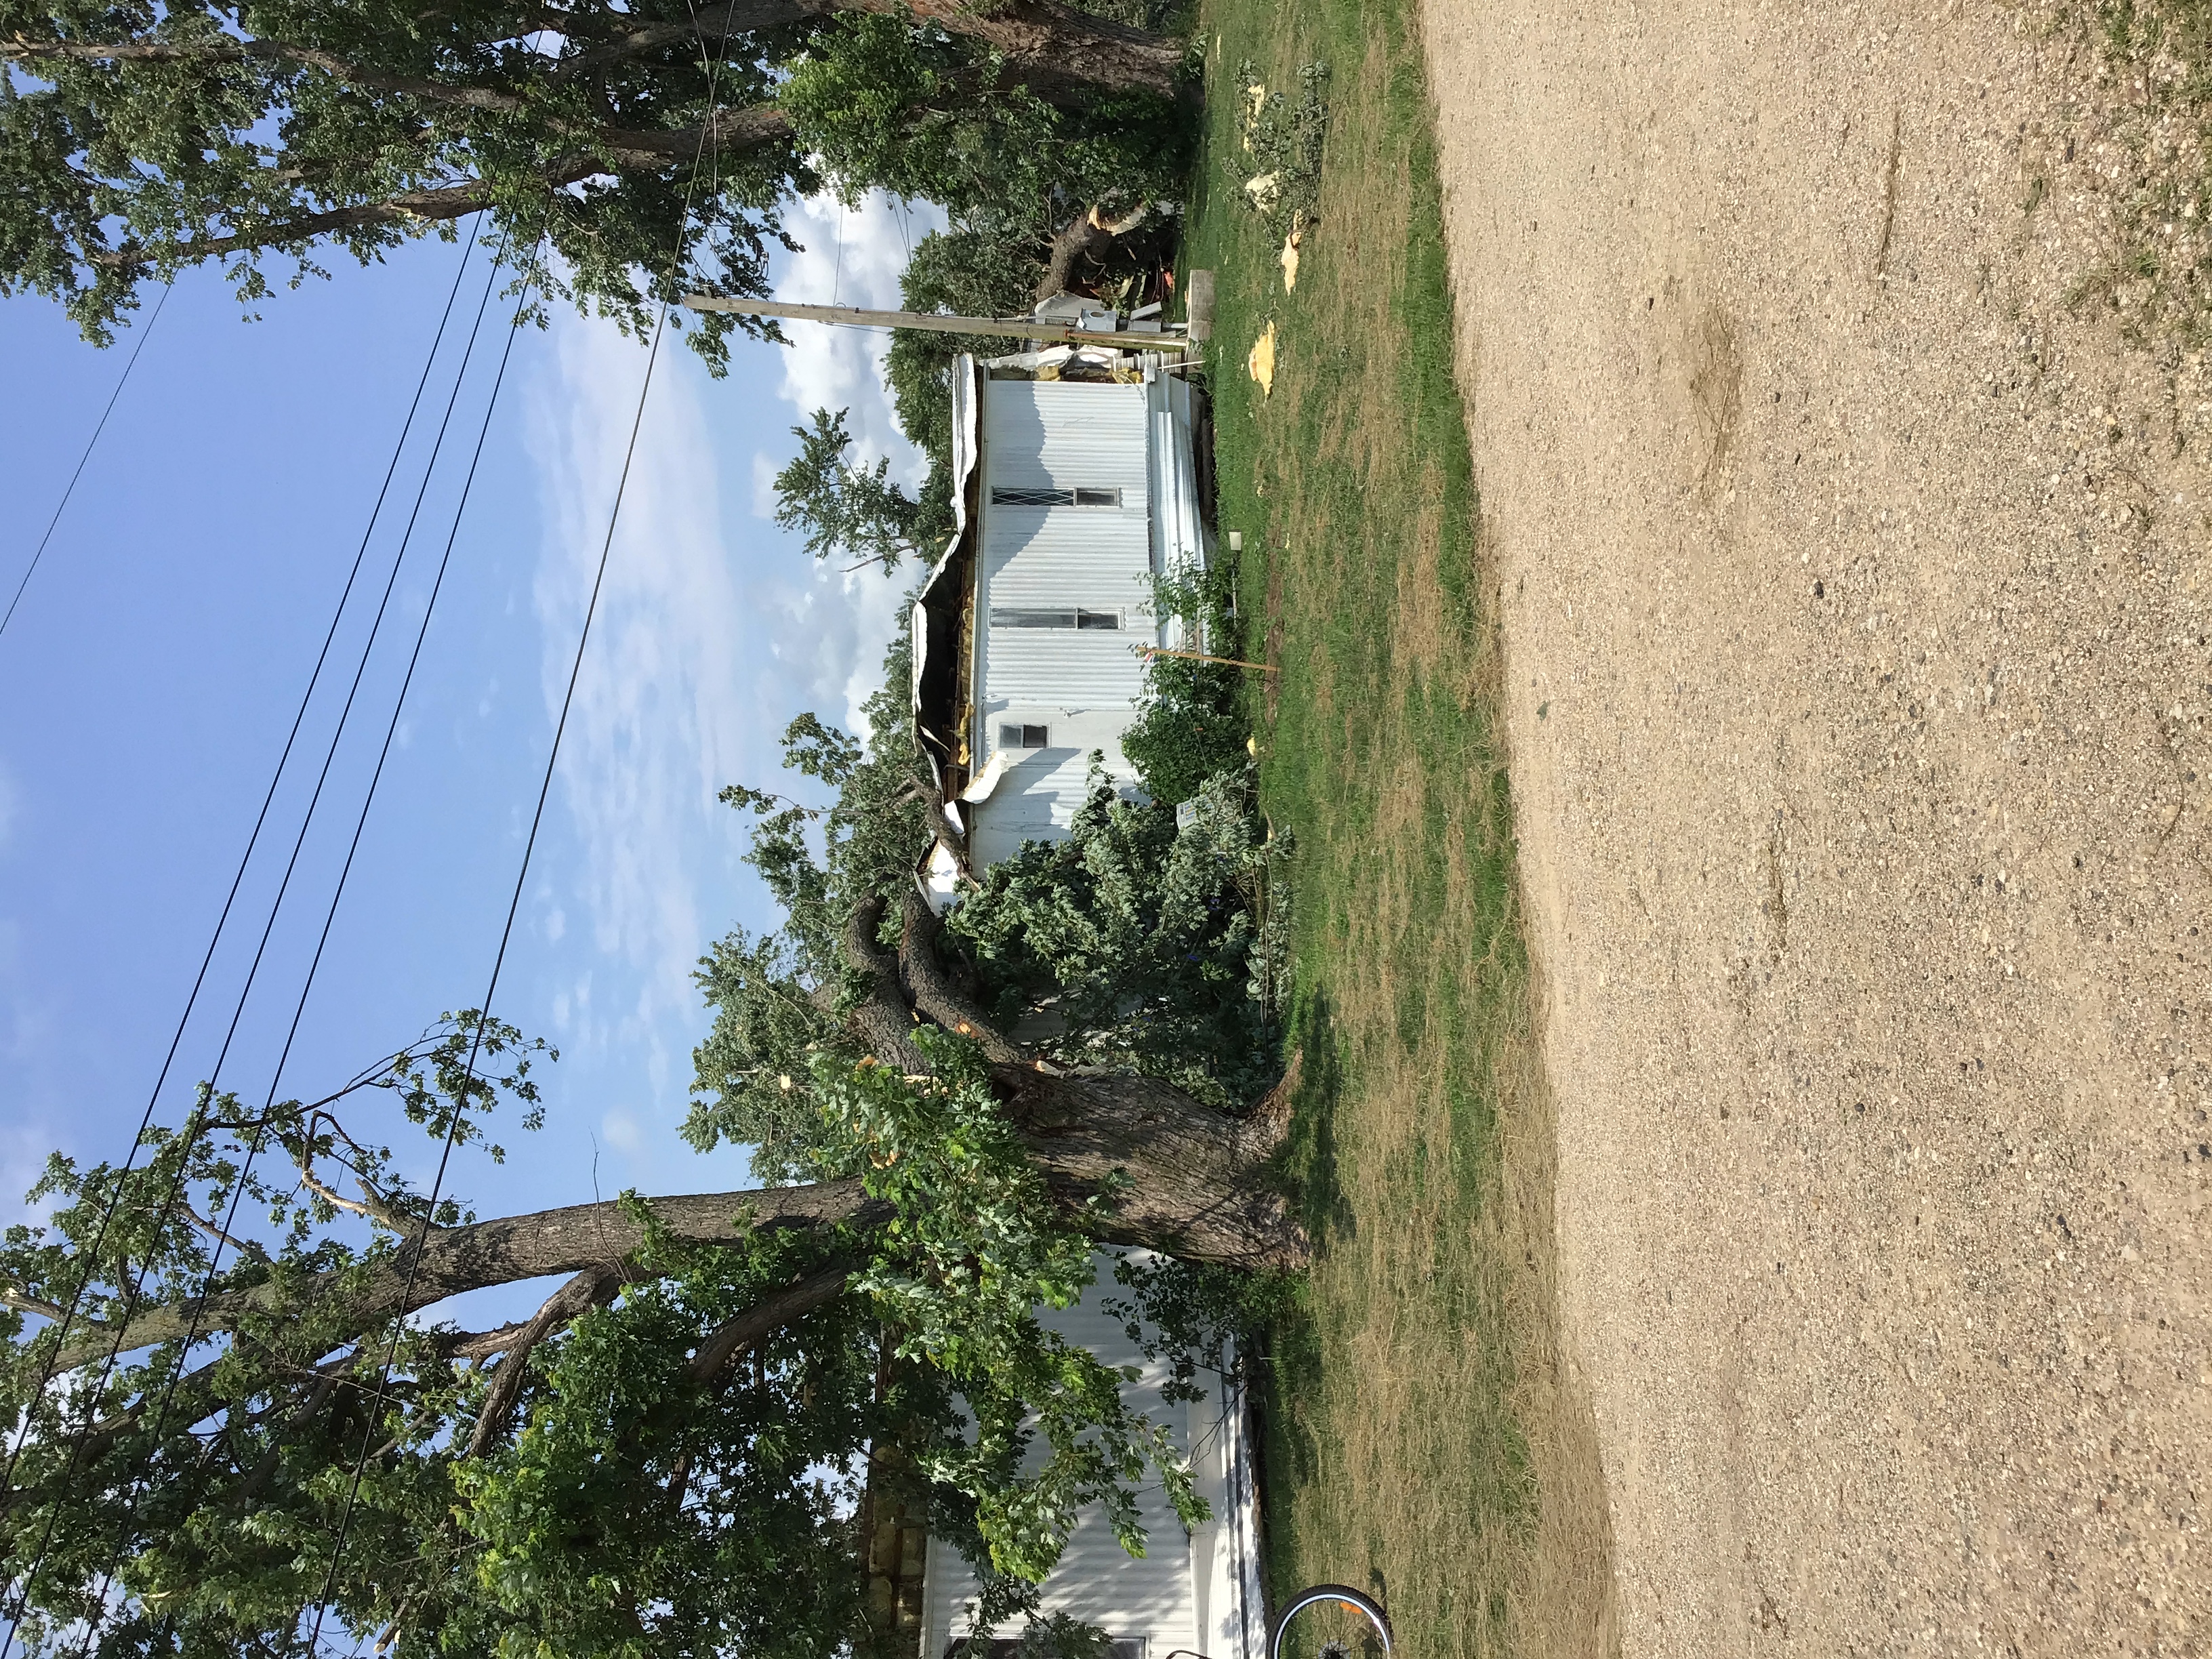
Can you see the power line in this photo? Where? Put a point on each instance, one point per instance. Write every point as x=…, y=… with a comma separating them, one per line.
x=522, y=875
x=361, y=821
x=70, y=489
x=200, y=981
x=92, y=1256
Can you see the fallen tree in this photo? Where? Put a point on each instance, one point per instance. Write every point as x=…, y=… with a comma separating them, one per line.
x=665, y=1454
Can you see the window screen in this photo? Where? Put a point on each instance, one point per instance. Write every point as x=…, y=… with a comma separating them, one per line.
x=1053, y=616
x=1009, y=495
x=1024, y=737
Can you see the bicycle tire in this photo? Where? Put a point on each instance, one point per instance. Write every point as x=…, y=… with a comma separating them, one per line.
x=1357, y=1601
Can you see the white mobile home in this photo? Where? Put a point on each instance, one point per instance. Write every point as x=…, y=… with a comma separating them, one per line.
x=1071, y=495
x=1077, y=481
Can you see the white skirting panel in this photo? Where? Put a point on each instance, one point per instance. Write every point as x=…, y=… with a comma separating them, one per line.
x=1232, y=1618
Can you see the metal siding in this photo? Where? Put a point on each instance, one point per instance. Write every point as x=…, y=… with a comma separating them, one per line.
x=1081, y=682
x=1178, y=530
x=1153, y=1596
x=1060, y=433
x=1063, y=666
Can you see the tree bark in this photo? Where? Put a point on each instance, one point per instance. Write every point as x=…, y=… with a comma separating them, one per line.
x=587, y=1289
x=1197, y=1186
x=1061, y=52
x=733, y=1336
x=884, y=1019
x=504, y=1251
x=1198, y=1181
x=932, y=989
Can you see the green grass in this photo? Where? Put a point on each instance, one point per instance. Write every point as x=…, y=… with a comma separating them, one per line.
x=1419, y=1439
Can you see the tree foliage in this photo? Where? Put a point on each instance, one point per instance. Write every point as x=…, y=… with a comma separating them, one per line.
x=665, y=1460
x=1150, y=947
x=1137, y=943
x=1194, y=722
x=842, y=507
x=138, y=140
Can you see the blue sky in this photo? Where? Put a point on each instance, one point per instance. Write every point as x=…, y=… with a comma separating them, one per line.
x=147, y=682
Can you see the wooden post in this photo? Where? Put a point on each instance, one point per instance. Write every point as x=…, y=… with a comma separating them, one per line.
x=1200, y=656
x=1007, y=328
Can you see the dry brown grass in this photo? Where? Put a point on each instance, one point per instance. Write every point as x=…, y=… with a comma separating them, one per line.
x=1427, y=1438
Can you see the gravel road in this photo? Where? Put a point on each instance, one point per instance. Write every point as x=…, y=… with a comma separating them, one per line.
x=1859, y=659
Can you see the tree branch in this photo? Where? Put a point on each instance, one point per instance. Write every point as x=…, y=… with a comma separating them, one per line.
x=23, y=1302
x=587, y=1289
x=409, y=207
x=318, y=1397
x=214, y=52
x=739, y=17
x=883, y=1018
x=503, y=1251
x=932, y=990
x=727, y=1340
x=615, y=149
x=370, y=1208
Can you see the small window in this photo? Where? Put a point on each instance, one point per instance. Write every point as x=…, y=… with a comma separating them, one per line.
x=1024, y=737
x=1055, y=617
x=1009, y=495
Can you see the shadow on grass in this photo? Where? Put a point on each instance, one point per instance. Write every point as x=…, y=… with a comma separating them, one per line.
x=1307, y=1166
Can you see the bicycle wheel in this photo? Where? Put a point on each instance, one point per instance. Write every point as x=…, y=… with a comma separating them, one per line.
x=1318, y=1595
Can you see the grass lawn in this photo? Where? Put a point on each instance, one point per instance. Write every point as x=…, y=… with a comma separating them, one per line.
x=1421, y=1438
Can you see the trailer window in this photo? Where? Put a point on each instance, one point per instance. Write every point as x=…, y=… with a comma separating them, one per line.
x=1010, y=495
x=1024, y=737
x=1071, y=615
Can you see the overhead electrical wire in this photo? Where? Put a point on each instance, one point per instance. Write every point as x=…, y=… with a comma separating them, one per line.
x=200, y=981
x=107, y=1217
x=300, y=1008
x=70, y=489
x=529, y=848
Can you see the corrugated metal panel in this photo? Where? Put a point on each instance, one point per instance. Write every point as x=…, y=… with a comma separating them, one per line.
x=1062, y=666
x=1153, y=1597
x=1080, y=555
x=1060, y=434
x=1064, y=435
x=1178, y=530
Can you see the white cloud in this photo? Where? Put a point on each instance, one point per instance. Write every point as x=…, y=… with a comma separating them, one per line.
x=765, y=467
x=853, y=257
x=23, y=1151
x=621, y=1130
x=714, y=628
x=661, y=717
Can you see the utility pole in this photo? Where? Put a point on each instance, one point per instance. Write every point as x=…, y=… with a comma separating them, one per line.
x=1009, y=328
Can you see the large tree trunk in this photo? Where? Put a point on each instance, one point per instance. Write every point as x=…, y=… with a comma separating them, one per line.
x=1057, y=50
x=1199, y=1186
